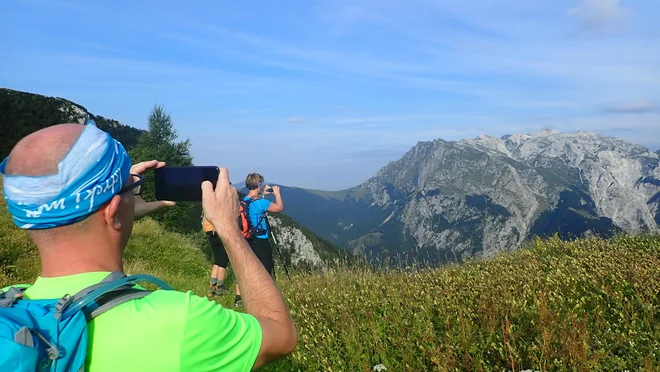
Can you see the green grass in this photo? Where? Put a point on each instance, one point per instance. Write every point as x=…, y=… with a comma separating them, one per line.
x=584, y=305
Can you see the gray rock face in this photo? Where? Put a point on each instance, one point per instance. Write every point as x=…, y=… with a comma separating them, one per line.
x=485, y=194
x=619, y=175
x=447, y=200
x=295, y=243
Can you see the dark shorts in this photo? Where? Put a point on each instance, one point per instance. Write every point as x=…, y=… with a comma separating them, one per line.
x=262, y=249
x=219, y=254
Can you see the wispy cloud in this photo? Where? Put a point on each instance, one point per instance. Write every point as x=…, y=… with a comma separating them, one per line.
x=407, y=118
x=599, y=17
x=639, y=107
x=297, y=120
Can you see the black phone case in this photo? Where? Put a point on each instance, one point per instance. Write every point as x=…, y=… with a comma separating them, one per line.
x=184, y=183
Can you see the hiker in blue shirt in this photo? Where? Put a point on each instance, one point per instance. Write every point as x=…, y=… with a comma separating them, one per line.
x=258, y=207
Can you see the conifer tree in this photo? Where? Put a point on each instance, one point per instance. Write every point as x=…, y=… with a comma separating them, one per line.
x=160, y=142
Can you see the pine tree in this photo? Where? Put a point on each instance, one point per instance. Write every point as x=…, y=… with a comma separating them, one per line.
x=159, y=142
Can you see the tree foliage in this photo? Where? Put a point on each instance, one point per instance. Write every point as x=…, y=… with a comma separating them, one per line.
x=24, y=113
x=159, y=142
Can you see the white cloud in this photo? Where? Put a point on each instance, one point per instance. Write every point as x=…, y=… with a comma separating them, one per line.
x=297, y=120
x=409, y=118
x=637, y=107
x=599, y=17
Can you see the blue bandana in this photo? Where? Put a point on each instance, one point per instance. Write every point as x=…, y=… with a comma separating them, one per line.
x=93, y=171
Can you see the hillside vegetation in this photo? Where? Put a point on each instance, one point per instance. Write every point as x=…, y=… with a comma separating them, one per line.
x=22, y=113
x=585, y=305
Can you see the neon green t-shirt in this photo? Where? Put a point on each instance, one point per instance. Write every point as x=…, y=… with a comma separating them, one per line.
x=164, y=331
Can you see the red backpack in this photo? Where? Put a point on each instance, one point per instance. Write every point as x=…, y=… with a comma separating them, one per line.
x=248, y=230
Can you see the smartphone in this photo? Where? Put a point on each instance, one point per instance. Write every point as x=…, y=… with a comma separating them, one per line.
x=184, y=183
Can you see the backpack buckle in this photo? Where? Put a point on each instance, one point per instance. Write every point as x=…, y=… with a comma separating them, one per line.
x=62, y=304
x=8, y=298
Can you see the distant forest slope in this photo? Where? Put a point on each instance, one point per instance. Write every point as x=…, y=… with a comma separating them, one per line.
x=22, y=113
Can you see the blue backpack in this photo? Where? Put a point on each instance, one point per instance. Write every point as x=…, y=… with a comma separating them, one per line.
x=40, y=335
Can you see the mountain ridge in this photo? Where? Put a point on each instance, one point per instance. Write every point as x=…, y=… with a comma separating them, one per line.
x=22, y=113
x=444, y=200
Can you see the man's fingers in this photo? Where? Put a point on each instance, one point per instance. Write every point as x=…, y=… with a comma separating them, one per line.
x=140, y=168
x=158, y=205
x=208, y=196
x=207, y=188
x=223, y=176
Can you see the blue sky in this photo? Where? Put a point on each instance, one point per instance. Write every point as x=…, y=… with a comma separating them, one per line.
x=322, y=94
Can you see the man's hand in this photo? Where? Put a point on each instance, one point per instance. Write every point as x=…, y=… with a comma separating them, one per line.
x=143, y=208
x=221, y=205
x=260, y=295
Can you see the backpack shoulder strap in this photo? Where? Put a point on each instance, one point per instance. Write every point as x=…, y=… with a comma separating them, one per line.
x=116, y=298
x=117, y=282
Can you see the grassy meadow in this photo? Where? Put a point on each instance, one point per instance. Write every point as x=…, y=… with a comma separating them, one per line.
x=584, y=305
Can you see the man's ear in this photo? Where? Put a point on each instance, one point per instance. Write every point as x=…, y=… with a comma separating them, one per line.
x=110, y=213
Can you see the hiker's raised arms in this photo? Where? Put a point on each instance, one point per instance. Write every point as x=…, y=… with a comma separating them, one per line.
x=260, y=295
x=278, y=206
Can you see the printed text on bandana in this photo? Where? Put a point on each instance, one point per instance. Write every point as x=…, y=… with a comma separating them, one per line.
x=108, y=185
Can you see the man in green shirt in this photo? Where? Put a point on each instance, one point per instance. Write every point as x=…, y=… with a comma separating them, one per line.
x=86, y=193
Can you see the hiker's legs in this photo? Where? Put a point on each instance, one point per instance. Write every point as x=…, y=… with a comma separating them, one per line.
x=219, y=270
x=218, y=273
x=264, y=253
x=221, y=273
x=214, y=273
x=261, y=249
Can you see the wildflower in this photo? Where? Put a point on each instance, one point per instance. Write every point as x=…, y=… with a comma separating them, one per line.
x=379, y=368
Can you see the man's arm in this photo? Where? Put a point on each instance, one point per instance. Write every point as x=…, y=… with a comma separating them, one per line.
x=260, y=295
x=278, y=206
x=261, y=298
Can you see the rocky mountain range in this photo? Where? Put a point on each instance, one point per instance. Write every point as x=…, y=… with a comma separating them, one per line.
x=444, y=201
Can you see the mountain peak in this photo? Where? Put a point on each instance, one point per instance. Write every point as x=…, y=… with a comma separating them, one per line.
x=488, y=143
x=548, y=132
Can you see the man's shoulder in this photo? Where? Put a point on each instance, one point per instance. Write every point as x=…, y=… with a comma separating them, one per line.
x=174, y=330
x=172, y=297
x=167, y=307
x=175, y=299
x=159, y=305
